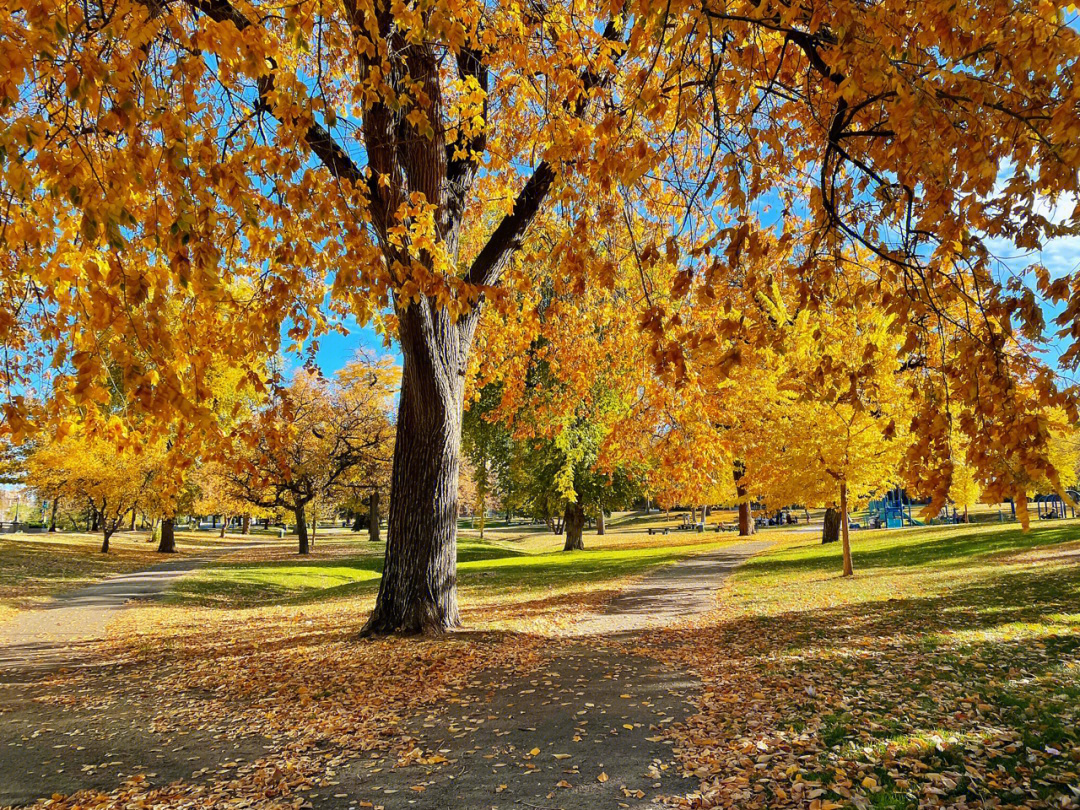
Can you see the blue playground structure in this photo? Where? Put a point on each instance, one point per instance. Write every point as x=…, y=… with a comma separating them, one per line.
x=891, y=512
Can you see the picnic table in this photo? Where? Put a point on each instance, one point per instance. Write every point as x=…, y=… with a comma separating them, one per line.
x=658, y=529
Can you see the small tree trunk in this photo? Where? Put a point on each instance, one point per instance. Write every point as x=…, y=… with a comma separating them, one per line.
x=133, y=515
x=224, y=525
x=105, y=541
x=52, y=518
x=374, y=529
x=213, y=524
x=601, y=528
x=95, y=524
x=301, y=529
x=246, y=525
x=830, y=532
x=357, y=522
x=967, y=518
x=848, y=571
x=573, y=523
x=167, y=543
x=746, y=519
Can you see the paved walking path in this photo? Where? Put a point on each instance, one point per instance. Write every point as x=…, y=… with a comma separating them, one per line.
x=670, y=594
x=585, y=732
x=63, y=631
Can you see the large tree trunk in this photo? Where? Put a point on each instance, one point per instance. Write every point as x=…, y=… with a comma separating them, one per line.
x=167, y=543
x=746, y=519
x=52, y=518
x=830, y=531
x=418, y=590
x=301, y=528
x=574, y=523
x=600, y=527
x=374, y=530
x=246, y=525
x=848, y=571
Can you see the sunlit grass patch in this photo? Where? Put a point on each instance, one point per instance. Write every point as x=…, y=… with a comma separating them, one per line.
x=489, y=572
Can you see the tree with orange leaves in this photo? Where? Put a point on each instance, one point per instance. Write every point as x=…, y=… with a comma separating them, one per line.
x=182, y=178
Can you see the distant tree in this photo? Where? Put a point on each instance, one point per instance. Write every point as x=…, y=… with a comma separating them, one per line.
x=313, y=441
x=92, y=471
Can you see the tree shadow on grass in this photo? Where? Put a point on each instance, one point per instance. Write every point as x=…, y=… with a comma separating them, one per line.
x=982, y=679
x=944, y=545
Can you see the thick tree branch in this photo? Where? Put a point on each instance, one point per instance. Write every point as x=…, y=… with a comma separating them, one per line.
x=318, y=139
x=488, y=265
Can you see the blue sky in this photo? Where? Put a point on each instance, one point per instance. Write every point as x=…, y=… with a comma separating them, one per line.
x=335, y=350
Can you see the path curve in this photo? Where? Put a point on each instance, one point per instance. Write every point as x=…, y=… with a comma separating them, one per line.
x=671, y=593
x=585, y=731
x=65, y=630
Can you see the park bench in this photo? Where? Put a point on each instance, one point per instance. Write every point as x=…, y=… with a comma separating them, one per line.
x=658, y=530
x=726, y=527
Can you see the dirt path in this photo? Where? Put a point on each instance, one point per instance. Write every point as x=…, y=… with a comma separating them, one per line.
x=586, y=732
x=66, y=630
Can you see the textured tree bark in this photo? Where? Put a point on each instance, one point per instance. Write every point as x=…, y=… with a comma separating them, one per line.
x=848, y=570
x=301, y=528
x=106, y=534
x=830, y=532
x=418, y=590
x=373, y=528
x=601, y=528
x=167, y=543
x=573, y=523
x=746, y=522
x=246, y=525
x=52, y=518
x=133, y=516
x=224, y=525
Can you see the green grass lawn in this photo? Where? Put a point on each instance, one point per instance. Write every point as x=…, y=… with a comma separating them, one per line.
x=512, y=564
